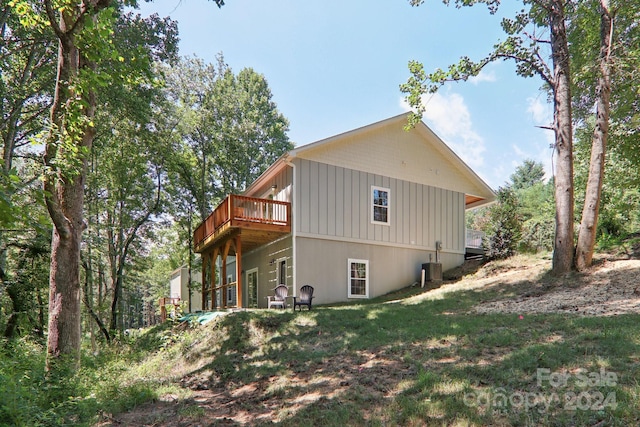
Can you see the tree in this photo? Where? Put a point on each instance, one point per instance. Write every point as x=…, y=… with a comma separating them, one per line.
x=27, y=287
x=251, y=132
x=78, y=28
x=126, y=182
x=26, y=86
x=189, y=83
x=228, y=132
x=535, y=206
x=83, y=30
x=607, y=68
x=527, y=175
x=588, y=224
x=503, y=228
x=524, y=46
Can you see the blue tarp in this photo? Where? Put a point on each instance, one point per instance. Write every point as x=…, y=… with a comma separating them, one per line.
x=202, y=318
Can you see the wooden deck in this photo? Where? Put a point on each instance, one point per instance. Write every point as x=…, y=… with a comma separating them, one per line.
x=238, y=224
x=259, y=220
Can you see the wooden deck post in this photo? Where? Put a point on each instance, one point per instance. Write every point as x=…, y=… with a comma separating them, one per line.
x=163, y=310
x=203, y=294
x=214, y=259
x=223, y=278
x=238, y=244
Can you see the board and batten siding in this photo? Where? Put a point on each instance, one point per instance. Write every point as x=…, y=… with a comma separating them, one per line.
x=283, y=183
x=333, y=202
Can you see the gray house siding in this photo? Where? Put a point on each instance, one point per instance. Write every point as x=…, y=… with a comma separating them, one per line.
x=333, y=224
x=335, y=202
x=323, y=264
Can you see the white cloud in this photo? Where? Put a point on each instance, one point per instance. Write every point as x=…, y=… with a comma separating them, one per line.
x=541, y=112
x=534, y=144
x=450, y=119
x=520, y=153
x=483, y=76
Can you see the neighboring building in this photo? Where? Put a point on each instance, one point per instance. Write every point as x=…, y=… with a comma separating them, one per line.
x=355, y=216
x=179, y=288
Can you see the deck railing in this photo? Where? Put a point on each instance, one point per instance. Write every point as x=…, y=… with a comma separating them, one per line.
x=244, y=209
x=474, y=239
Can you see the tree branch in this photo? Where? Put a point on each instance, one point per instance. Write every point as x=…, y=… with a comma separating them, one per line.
x=53, y=20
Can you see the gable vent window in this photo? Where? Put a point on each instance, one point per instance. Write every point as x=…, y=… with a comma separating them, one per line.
x=380, y=202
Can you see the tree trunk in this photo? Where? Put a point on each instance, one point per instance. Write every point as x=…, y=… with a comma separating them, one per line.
x=190, y=252
x=119, y=251
x=41, y=315
x=589, y=223
x=563, y=242
x=116, y=304
x=64, y=189
x=114, y=248
x=64, y=337
x=88, y=302
x=64, y=203
x=17, y=307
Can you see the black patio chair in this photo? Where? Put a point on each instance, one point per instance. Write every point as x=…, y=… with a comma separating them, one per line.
x=305, y=297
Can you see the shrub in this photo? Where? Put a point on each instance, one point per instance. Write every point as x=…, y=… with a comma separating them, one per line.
x=503, y=228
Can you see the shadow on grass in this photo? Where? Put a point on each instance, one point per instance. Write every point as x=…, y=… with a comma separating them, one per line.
x=390, y=362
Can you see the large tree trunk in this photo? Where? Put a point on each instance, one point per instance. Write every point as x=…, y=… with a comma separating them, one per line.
x=563, y=243
x=589, y=223
x=64, y=190
x=64, y=337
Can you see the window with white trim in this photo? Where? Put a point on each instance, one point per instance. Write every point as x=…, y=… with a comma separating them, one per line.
x=380, y=205
x=282, y=271
x=358, y=274
x=231, y=291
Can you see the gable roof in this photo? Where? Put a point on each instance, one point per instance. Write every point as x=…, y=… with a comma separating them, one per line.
x=385, y=148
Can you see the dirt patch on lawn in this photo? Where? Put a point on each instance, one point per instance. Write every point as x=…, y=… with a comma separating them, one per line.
x=611, y=287
x=272, y=399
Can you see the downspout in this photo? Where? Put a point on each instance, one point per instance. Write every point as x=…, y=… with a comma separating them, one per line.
x=293, y=225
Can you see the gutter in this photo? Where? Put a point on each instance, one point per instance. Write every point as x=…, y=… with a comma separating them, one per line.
x=287, y=161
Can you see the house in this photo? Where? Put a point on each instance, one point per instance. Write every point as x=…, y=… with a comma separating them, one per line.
x=190, y=299
x=354, y=215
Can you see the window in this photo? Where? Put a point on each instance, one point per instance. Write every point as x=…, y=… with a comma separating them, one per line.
x=282, y=272
x=380, y=205
x=252, y=286
x=358, y=278
x=231, y=291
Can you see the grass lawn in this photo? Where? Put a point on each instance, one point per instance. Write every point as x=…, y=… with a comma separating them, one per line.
x=409, y=359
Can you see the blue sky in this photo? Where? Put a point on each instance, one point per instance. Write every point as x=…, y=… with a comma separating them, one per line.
x=333, y=66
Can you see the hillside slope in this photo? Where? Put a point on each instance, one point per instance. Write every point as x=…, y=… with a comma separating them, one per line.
x=411, y=358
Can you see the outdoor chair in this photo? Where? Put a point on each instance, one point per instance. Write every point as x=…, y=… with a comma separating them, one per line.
x=280, y=298
x=305, y=297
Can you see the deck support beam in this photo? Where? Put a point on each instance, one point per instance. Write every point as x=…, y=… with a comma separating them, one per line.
x=238, y=248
